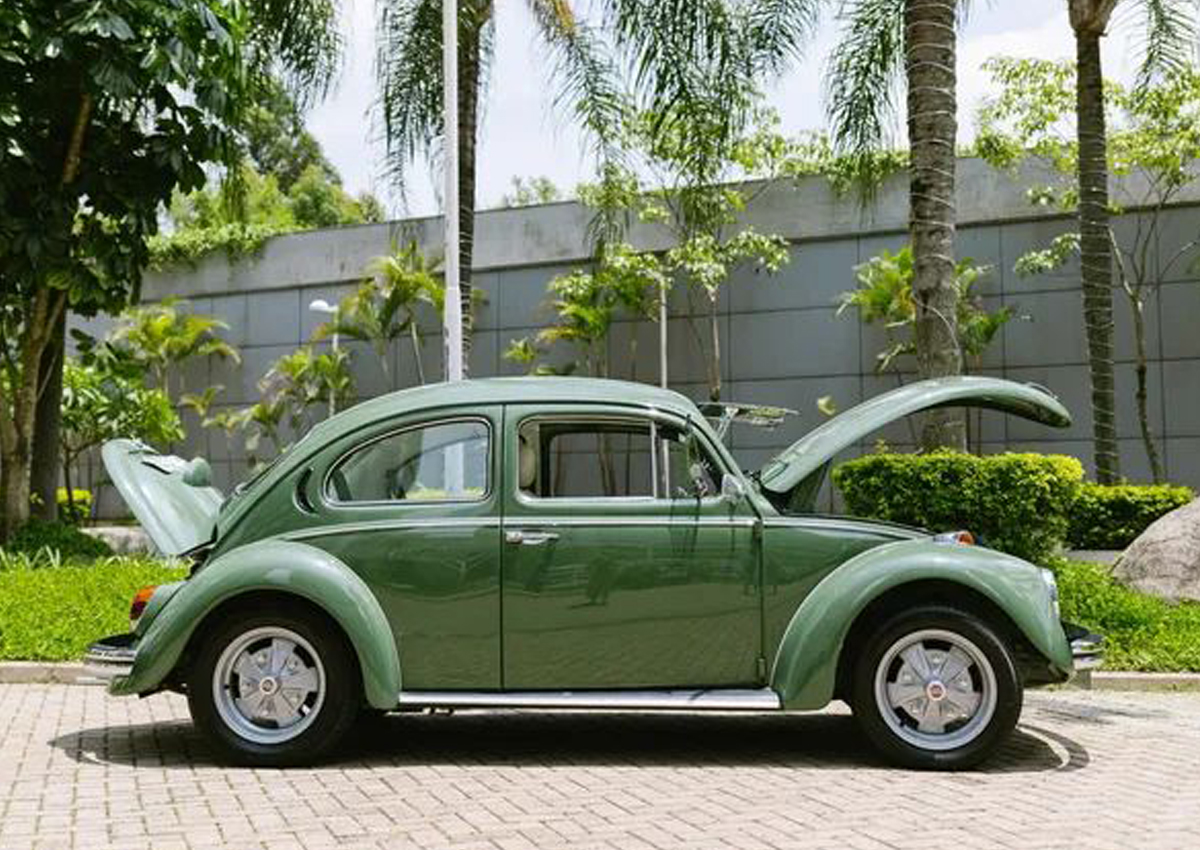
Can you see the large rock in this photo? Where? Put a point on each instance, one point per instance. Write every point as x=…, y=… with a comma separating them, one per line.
x=1165, y=559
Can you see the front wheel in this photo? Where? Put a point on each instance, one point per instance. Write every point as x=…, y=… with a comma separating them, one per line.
x=936, y=688
x=274, y=688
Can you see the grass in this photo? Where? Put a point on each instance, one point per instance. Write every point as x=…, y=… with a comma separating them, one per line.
x=50, y=610
x=1143, y=632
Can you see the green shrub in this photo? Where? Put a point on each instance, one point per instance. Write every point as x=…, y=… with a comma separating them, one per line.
x=52, y=612
x=1017, y=503
x=76, y=509
x=1110, y=517
x=1142, y=632
x=66, y=540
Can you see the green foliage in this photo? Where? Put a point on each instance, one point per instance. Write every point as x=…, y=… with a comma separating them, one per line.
x=814, y=155
x=884, y=295
x=100, y=404
x=294, y=385
x=52, y=611
x=386, y=304
x=1017, y=503
x=65, y=541
x=157, y=337
x=1112, y=516
x=530, y=191
x=1142, y=632
x=74, y=506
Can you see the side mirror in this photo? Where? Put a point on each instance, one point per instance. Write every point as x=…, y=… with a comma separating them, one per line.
x=732, y=490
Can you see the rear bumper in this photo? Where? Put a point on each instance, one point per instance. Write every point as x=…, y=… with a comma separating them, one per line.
x=109, y=659
x=1087, y=648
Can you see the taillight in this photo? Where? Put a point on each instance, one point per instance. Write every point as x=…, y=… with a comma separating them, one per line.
x=140, y=600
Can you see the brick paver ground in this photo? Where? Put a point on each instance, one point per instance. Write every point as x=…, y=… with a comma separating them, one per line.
x=1085, y=770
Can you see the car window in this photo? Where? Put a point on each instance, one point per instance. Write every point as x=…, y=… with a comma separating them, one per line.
x=439, y=462
x=611, y=458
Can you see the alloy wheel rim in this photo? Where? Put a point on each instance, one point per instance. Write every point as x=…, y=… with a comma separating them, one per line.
x=935, y=689
x=269, y=685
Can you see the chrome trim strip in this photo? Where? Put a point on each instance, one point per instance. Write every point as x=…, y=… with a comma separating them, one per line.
x=527, y=521
x=705, y=699
x=844, y=524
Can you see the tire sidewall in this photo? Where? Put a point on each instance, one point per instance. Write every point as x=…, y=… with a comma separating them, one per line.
x=342, y=698
x=1009, y=691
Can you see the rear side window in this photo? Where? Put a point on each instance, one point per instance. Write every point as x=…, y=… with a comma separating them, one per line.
x=447, y=461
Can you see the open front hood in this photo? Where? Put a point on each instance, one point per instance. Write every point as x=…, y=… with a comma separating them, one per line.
x=172, y=498
x=787, y=469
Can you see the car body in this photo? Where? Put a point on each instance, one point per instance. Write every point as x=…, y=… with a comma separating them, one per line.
x=565, y=543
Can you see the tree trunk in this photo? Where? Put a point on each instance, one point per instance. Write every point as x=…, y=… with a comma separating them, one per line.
x=47, y=419
x=469, y=46
x=1139, y=338
x=714, y=388
x=930, y=34
x=1095, y=244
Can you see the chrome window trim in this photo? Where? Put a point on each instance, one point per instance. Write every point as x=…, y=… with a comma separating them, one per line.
x=329, y=502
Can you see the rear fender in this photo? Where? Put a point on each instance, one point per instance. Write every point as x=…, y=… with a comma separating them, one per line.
x=285, y=567
x=805, y=668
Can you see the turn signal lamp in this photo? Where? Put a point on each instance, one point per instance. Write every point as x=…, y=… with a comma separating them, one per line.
x=962, y=538
x=140, y=600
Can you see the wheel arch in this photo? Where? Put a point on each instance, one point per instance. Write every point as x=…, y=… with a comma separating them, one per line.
x=262, y=571
x=815, y=646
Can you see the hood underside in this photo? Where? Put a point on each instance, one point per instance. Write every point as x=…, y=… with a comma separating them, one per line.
x=797, y=462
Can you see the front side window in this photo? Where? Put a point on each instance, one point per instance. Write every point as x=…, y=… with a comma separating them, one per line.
x=446, y=461
x=612, y=458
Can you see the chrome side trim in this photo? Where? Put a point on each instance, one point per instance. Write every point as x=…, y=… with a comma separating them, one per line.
x=706, y=699
x=389, y=524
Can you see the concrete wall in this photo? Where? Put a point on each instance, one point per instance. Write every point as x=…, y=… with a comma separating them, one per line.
x=782, y=339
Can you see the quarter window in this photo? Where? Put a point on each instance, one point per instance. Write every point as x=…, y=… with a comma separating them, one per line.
x=446, y=461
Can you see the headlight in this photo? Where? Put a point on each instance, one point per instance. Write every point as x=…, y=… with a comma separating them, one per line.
x=1052, y=586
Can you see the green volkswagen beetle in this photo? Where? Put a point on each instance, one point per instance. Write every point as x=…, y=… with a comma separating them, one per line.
x=544, y=543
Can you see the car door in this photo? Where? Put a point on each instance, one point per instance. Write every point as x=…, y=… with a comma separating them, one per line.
x=616, y=573
x=412, y=506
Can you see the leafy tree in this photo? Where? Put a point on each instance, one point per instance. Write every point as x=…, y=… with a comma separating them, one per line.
x=99, y=405
x=104, y=109
x=1153, y=137
x=409, y=62
x=884, y=41
x=527, y=192
x=385, y=305
x=277, y=141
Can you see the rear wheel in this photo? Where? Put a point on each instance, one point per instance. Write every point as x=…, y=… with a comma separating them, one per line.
x=275, y=689
x=936, y=688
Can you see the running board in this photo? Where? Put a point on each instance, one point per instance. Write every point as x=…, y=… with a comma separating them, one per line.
x=710, y=699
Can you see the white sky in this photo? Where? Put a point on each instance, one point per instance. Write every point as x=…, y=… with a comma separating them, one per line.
x=521, y=134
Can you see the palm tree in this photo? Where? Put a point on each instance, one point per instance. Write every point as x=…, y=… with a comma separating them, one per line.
x=1169, y=27
x=881, y=39
x=409, y=45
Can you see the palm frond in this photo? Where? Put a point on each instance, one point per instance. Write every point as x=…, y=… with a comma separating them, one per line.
x=864, y=75
x=583, y=72
x=408, y=65
x=1169, y=33
x=779, y=29
x=299, y=41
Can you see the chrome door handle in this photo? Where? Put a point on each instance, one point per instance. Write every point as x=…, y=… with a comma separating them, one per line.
x=530, y=538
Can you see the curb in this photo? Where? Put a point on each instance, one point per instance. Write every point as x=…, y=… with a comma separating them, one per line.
x=39, y=673
x=1118, y=680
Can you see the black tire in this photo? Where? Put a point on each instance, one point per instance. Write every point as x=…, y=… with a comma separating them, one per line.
x=335, y=714
x=980, y=734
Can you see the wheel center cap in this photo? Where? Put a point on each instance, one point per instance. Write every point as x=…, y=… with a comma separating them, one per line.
x=936, y=691
x=268, y=685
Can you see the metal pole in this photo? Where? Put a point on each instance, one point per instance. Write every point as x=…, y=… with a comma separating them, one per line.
x=662, y=337
x=452, y=314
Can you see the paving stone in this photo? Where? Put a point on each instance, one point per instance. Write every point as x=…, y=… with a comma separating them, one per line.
x=79, y=769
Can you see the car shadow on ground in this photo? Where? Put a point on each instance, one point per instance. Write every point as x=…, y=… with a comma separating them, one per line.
x=815, y=741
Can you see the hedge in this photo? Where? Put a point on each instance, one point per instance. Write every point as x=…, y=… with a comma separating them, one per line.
x=1017, y=503
x=1112, y=516
x=67, y=541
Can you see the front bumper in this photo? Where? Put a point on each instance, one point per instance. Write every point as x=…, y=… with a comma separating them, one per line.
x=109, y=659
x=1087, y=648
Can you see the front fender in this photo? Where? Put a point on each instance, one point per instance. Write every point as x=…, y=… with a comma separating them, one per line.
x=279, y=565
x=805, y=669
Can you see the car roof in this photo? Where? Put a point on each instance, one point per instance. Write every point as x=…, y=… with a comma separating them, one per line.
x=520, y=390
